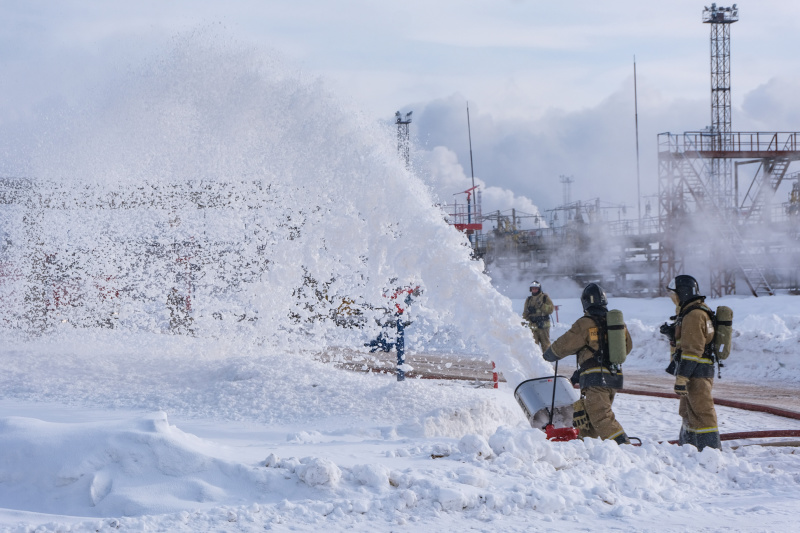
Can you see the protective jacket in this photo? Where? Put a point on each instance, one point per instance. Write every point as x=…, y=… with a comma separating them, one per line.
x=537, y=310
x=694, y=359
x=587, y=339
x=694, y=332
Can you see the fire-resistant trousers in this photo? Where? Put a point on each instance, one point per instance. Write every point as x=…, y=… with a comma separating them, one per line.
x=541, y=336
x=697, y=407
x=602, y=422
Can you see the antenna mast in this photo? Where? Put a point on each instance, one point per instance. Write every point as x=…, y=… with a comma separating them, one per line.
x=471, y=168
x=636, y=111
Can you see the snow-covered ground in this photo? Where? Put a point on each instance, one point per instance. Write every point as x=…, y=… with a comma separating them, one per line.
x=164, y=437
x=239, y=428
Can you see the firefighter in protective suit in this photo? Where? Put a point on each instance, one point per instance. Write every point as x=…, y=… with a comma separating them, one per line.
x=693, y=364
x=537, y=310
x=599, y=380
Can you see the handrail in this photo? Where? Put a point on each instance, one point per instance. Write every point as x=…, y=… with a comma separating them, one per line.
x=742, y=141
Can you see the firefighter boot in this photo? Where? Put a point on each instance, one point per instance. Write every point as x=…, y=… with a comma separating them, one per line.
x=710, y=440
x=685, y=437
x=622, y=439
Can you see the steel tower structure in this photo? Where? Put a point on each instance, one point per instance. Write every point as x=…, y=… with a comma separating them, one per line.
x=721, y=185
x=703, y=222
x=720, y=20
x=403, y=137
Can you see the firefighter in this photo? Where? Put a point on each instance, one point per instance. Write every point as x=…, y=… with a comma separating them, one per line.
x=693, y=364
x=537, y=310
x=598, y=378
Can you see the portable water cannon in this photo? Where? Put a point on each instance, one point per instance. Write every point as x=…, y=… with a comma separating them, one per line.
x=534, y=395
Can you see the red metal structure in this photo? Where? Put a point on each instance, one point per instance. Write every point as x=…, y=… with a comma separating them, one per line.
x=463, y=216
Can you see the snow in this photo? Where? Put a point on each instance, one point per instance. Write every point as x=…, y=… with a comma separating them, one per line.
x=240, y=428
x=75, y=466
x=166, y=437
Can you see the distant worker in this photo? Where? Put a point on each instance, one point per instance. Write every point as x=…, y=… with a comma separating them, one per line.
x=537, y=311
x=693, y=364
x=598, y=377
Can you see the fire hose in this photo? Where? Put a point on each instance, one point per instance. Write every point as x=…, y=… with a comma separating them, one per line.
x=777, y=433
x=774, y=433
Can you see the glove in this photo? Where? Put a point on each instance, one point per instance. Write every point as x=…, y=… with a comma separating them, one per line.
x=668, y=330
x=680, y=386
x=550, y=356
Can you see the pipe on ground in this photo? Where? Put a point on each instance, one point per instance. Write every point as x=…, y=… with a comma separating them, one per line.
x=777, y=411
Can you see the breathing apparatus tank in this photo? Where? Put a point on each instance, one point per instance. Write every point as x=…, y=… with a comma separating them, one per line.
x=617, y=347
x=723, y=332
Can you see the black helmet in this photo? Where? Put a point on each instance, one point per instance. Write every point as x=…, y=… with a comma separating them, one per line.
x=593, y=297
x=685, y=287
x=536, y=285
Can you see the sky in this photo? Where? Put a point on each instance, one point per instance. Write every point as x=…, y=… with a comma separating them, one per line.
x=549, y=85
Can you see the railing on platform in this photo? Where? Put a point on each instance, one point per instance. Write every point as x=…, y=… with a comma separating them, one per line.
x=465, y=217
x=746, y=142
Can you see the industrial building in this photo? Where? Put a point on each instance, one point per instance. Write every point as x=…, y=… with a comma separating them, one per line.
x=728, y=211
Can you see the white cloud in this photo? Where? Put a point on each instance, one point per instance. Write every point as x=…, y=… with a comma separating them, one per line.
x=550, y=83
x=772, y=106
x=447, y=178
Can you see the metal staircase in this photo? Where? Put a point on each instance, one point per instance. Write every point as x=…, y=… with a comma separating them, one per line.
x=765, y=183
x=748, y=262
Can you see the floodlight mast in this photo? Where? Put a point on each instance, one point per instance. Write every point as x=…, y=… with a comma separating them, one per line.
x=720, y=18
x=721, y=179
x=403, y=138
x=720, y=15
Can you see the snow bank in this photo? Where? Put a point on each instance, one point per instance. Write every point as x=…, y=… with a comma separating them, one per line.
x=130, y=468
x=121, y=469
x=319, y=447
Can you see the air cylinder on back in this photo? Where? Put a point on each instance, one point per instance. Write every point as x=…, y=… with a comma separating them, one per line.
x=617, y=347
x=723, y=333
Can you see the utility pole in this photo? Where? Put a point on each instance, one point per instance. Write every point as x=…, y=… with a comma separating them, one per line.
x=471, y=167
x=472, y=172
x=638, y=179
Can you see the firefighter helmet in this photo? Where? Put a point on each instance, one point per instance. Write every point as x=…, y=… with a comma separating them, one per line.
x=685, y=287
x=593, y=297
x=536, y=285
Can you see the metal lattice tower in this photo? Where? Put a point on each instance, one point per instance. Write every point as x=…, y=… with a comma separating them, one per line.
x=721, y=183
x=403, y=138
x=721, y=176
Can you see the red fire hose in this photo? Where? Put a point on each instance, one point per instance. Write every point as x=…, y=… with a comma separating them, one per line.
x=727, y=403
x=774, y=433
x=718, y=401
